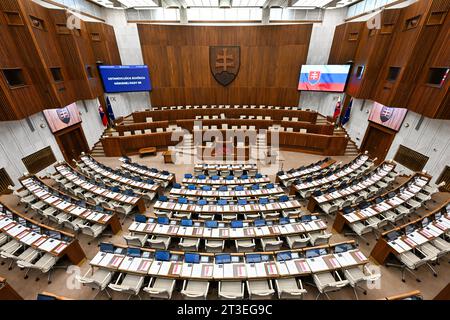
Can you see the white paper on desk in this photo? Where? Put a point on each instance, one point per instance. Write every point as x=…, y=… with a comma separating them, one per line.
x=77, y=210
x=164, y=228
x=186, y=270
x=188, y=230
x=403, y=245
x=291, y=267
x=165, y=267
x=282, y=268
x=136, y=264
x=14, y=231
x=317, y=264
x=345, y=259
x=98, y=257
x=106, y=259
x=307, y=226
x=126, y=263
x=31, y=238
x=218, y=271
x=154, y=268
x=251, y=270
x=133, y=226
x=196, y=270
x=417, y=237
x=434, y=230
x=207, y=232
x=396, y=247
x=260, y=269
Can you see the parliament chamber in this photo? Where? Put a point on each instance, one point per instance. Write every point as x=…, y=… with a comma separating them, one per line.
x=224, y=150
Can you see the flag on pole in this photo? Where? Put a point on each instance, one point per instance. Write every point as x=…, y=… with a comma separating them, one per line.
x=103, y=116
x=337, y=111
x=346, y=116
x=110, y=110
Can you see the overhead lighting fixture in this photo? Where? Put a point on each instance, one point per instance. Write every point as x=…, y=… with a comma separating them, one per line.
x=224, y=4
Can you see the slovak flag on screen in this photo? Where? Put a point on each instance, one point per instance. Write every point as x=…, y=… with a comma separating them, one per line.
x=323, y=78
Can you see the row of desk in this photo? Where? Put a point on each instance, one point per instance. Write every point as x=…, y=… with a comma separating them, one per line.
x=144, y=171
x=81, y=181
x=382, y=171
x=226, y=209
x=315, y=168
x=396, y=241
x=39, y=236
x=41, y=192
x=359, y=162
x=227, y=182
x=246, y=193
x=401, y=195
x=225, y=231
x=204, y=266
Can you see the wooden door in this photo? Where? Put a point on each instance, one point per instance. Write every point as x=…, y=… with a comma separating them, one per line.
x=377, y=141
x=72, y=142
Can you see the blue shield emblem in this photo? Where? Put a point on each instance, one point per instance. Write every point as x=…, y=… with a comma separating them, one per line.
x=386, y=114
x=63, y=115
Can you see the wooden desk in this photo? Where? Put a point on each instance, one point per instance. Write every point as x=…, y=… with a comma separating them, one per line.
x=109, y=219
x=7, y=292
x=147, y=151
x=169, y=156
x=415, y=293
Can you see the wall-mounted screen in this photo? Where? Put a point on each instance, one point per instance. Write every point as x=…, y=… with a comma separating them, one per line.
x=125, y=78
x=331, y=78
x=59, y=119
x=387, y=116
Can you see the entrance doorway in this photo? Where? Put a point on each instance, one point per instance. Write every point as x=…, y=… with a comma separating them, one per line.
x=377, y=141
x=72, y=142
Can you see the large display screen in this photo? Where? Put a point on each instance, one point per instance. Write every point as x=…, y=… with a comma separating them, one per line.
x=387, y=116
x=125, y=78
x=59, y=119
x=331, y=78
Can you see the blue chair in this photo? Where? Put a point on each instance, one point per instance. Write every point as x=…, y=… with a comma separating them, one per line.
x=222, y=202
x=188, y=176
x=283, y=198
x=263, y=200
x=239, y=188
x=162, y=255
x=284, y=256
x=202, y=202
x=176, y=186
x=242, y=202
x=255, y=187
x=284, y=220
x=259, y=223
x=253, y=258
x=229, y=178
x=211, y=224
x=187, y=222
x=270, y=186
x=317, y=193
x=191, y=257
x=223, y=188
x=140, y=218
x=163, y=198
x=237, y=224
x=258, y=176
x=191, y=187
x=201, y=177
x=151, y=181
x=215, y=177
x=206, y=188
x=223, y=258
x=183, y=200
x=244, y=176
x=163, y=220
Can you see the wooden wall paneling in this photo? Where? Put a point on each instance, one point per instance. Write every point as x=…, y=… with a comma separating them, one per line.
x=345, y=42
x=104, y=43
x=412, y=42
x=17, y=51
x=43, y=33
x=370, y=55
x=178, y=58
x=432, y=100
x=78, y=56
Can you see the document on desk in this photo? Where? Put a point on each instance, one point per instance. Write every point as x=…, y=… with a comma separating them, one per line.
x=239, y=270
x=345, y=259
x=186, y=270
x=175, y=268
x=399, y=246
x=164, y=268
x=434, y=230
x=251, y=270
x=116, y=261
x=98, y=257
x=105, y=261
x=14, y=231
x=218, y=272
x=317, y=264
x=417, y=237
x=60, y=248
x=126, y=263
x=154, y=267
x=77, y=210
x=49, y=245
x=236, y=232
